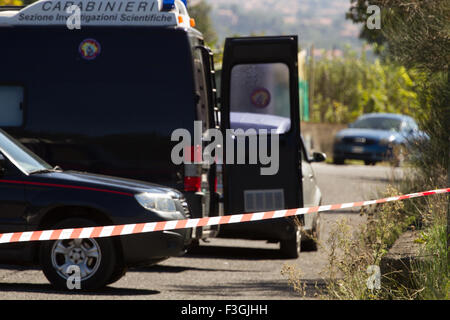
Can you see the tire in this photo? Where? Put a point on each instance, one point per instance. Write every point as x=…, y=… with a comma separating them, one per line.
x=338, y=160
x=96, y=258
x=118, y=273
x=290, y=248
x=194, y=245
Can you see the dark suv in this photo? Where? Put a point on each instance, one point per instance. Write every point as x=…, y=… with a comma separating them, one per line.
x=36, y=196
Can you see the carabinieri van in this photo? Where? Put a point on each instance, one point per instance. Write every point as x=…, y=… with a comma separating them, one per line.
x=106, y=99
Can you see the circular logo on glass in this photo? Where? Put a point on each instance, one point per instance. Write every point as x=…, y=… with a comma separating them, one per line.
x=89, y=49
x=260, y=97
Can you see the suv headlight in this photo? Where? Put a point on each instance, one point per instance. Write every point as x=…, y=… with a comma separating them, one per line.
x=387, y=141
x=162, y=203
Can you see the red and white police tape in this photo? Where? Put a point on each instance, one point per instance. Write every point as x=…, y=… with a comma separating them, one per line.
x=121, y=230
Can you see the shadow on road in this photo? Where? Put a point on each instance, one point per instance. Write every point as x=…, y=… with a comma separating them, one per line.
x=234, y=253
x=48, y=289
x=280, y=289
x=176, y=269
x=354, y=211
x=13, y=267
x=376, y=179
x=236, y=289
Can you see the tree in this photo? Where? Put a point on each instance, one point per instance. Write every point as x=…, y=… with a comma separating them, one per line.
x=416, y=32
x=11, y=3
x=201, y=12
x=16, y=2
x=418, y=35
x=358, y=14
x=348, y=86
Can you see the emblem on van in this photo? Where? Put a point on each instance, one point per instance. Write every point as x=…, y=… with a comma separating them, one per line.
x=260, y=97
x=89, y=49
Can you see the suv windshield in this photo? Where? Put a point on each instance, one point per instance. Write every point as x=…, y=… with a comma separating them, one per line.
x=378, y=123
x=18, y=154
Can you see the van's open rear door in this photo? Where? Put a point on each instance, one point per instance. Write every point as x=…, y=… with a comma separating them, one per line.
x=260, y=91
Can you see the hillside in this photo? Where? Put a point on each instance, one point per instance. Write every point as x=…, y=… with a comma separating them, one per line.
x=321, y=22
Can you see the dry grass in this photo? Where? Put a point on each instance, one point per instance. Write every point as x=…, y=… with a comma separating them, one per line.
x=350, y=253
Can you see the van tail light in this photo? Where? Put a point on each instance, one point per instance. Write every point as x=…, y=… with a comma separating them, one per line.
x=192, y=184
x=193, y=168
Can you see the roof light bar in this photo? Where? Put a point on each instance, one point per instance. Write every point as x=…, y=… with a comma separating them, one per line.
x=168, y=5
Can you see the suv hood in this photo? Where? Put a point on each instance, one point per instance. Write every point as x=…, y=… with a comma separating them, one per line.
x=99, y=181
x=368, y=133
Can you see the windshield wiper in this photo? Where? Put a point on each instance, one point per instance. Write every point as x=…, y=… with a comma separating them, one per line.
x=55, y=169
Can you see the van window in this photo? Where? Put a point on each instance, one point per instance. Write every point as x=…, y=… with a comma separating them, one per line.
x=201, y=90
x=259, y=97
x=11, y=101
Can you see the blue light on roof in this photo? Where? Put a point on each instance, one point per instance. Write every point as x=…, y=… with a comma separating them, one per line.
x=168, y=5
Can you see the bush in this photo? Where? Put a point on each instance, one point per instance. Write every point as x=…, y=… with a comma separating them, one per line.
x=347, y=87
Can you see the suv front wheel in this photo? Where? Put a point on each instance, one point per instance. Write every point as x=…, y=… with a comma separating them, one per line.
x=91, y=262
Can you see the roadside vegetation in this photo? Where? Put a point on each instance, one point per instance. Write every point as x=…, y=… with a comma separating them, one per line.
x=416, y=37
x=11, y=3
x=343, y=88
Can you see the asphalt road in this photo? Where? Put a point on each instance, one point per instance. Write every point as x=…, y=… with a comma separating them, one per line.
x=223, y=268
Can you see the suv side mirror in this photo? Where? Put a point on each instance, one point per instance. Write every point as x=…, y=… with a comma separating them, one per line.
x=319, y=157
